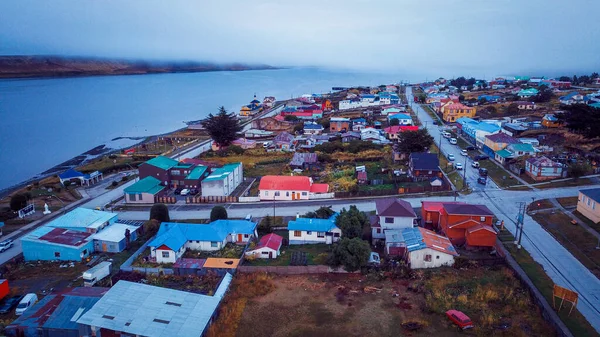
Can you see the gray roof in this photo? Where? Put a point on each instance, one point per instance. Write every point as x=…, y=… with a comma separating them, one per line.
x=592, y=193
x=141, y=309
x=300, y=158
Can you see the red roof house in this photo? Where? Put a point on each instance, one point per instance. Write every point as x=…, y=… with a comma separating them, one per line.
x=457, y=218
x=481, y=236
x=289, y=188
x=268, y=247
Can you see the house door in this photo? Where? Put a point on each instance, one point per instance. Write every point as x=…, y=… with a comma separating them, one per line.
x=270, y=255
x=103, y=247
x=328, y=238
x=239, y=238
x=293, y=195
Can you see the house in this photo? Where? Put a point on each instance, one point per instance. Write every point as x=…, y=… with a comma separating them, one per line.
x=56, y=314
x=326, y=105
x=361, y=177
x=489, y=98
x=268, y=102
x=144, y=191
x=497, y=142
x=76, y=235
x=424, y=166
x=312, y=230
x=527, y=93
x=452, y=111
x=347, y=137
x=223, y=181
x=173, y=238
x=284, y=141
x=420, y=247
x=338, y=124
x=137, y=309
x=311, y=128
x=289, y=188
x=586, y=204
x=370, y=134
x=256, y=133
x=571, y=98
x=523, y=105
x=513, y=129
x=251, y=109
x=431, y=213
x=272, y=124
x=475, y=131
x=556, y=84
x=392, y=111
x=268, y=247
x=195, y=176
x=73, y=175
x=403, y=119
x=521, y=149
x=178, y=173
x=391, y=214
x=158, y=167
x=550, y=121
x=457, y=218
x=392, y=132
x=244, y=143
x=542, y=168
x=304, y=160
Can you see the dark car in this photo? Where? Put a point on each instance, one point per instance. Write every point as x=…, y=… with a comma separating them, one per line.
x=178, y=190
x=481, y=157
x=482, y=181
x=470, y=148
x=483, y=172
x=9, y=304
x=193, y=191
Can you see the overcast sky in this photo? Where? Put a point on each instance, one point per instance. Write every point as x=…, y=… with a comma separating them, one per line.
x=449, y=36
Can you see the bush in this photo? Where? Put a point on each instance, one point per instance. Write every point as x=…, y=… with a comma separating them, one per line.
x=235, y=149
x=19, y=201
x=114, y=183
x=264, y=227
x=125, y=178
x=67, y=183
x=218, y=213
x=350, y=253
x=112, y=156
x=151, y=227
x=159, y=212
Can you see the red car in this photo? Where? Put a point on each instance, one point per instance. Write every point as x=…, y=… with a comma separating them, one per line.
x=457, y=317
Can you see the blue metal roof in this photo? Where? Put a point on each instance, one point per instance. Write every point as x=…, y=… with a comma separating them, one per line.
x=313, y=224
x=413, y=239
x=72, y=173
x=175, y=235
x=82, y=218
x=399, y=116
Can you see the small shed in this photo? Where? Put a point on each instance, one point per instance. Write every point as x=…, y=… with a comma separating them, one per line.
x=481, y=236
x=268, y=247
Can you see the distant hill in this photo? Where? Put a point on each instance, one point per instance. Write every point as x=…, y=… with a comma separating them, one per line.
x=53, y=66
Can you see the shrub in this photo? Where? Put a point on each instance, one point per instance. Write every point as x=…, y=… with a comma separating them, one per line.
x=235, y=149
x=350, y=253
x=114, y=183
x=125, y=178
x=218, y=213
x=159, y=212
x=151, y=227
x=265, y=225
x=19, y=200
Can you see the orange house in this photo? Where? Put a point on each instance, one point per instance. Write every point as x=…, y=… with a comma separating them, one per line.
x=452, y=111
x=430, y=213
x=457, y=219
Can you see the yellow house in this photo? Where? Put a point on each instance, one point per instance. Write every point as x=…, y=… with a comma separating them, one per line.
x=499, y=141
x=586, y=205
x=452, y=111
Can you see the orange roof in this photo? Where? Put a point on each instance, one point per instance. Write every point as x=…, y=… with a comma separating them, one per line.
x=481, y=227
x=435, y=206
x=319, y=188
x=285, y=183
x=454, y=106
x=214, y=262
x=437, y=242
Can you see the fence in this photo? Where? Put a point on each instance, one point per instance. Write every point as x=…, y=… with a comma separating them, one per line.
x=249, y=199
x=211, y=200
x=165, y=200
x=321, y=196
x=285, y=270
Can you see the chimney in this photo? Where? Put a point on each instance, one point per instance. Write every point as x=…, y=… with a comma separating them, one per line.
x=297, y=215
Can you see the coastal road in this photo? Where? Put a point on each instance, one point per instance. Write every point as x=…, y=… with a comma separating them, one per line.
x=446, y=148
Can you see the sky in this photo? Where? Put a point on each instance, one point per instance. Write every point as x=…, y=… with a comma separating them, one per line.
x=452, y=37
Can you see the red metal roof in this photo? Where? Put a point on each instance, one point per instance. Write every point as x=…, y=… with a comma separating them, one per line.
x=435, y=206
x=272, y=241
x=66, y=237
x=285, y=183
x=400, y=128
x=319, y=188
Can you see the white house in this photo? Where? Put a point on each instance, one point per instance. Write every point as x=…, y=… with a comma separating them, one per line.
x=268, y=247
x=312, y=128
x=223, y=181
x=392, y=214
x=403, y=119
x=173, y=239
x=371, y=134
x=289, y=188
x=309, y=230
x=420, y=247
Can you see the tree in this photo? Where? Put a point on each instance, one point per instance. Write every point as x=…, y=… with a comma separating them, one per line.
x=582, y=119
x=461, y=98
x=564, y=79
x=19, y=200
x=491, y=110
x=324, y=212
x=151, y=227
x=223, y=127
x=577, y=170
x=218, y=213
x=482, y=101
x=291, y=118
x=575, y=79
x=394, y=121
x=351, y=253
x=265, y=225
x=299, y=128
x=512, y=109
x=159, y=212
x=352, y=222
x=324, y=123
x=414, y=141
x=545, y=94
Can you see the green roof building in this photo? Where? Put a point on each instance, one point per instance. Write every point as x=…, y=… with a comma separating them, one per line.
x=143, y=191
x=163, y=163
x=223, y=181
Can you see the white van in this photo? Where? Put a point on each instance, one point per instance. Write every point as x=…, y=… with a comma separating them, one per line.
x=446, y=134
x=453, y=141
x=27, y=302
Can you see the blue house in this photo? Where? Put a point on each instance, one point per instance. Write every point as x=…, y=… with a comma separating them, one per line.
x=313, y=230
x=84, y=179
x=489, y=98
x=403, y=119
x=475, y=131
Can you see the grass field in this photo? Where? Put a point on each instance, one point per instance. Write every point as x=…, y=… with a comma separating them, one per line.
x=566, y=183
x=315, y=254
x=595, y=226
x=575, y=322
x=357, y=305
x=498, y=174
x=540, y=204
x=567, y=202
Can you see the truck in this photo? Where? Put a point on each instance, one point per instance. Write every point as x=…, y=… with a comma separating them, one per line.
x=4, y=289
x=96, y=273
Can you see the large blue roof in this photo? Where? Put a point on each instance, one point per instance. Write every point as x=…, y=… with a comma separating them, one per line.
x=399, y=116
x=174, y=235
x=313, y=224
x=72, y=173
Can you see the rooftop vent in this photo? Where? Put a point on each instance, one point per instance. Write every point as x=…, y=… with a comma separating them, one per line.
x=160, y=321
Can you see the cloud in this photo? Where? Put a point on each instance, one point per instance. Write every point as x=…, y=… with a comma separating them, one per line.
x=451, y=37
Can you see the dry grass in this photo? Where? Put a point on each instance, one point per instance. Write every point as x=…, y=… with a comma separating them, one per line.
x=568, y=202
x=540, y=204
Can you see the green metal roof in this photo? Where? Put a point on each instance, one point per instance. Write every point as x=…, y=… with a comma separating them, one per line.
x=522, y=147
x=504, y=153
x=182, y=165
x=162, y=162
x=196, y=173
x=147, y=185
x=222, y=172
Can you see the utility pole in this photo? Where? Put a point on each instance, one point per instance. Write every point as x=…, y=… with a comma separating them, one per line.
x=440, y=147
x=520, y=221
x=465, y=174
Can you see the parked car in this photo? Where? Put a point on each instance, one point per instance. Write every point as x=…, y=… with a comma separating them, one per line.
x=178, y=190
x=184, y=191
x=475, y=164
x=483, y=172
x=193, y=191
x=458, y=166
x=464, y=152
x=453, y=141
x=450, y=157
x=446, y=134
x=5, y=245
x=482, y=180
x=481, y=157
x=27, y=302
x=459, y=318
x=470, y=148
x=266, y=144
x=10, y=303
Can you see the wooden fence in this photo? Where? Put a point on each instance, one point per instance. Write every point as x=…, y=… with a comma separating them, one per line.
x=285, y=270
x=210, y=200
x=165, y=200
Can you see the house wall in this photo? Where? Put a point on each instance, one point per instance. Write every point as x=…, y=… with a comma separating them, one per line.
x=438, y=259
x=146, y=170
x=458, y=235
x=283, y=195
x=141, y=198
x=542, y=173
x=34, y=250
x=398, y=222
x=430, y=218
x=263, y=253
x=204, y=245
x=313, y=237
x=339, y=126
x=215, y=188
x=109, y=246
x=482, y=238
x=173, y=256
x=588, y=208
x=193, y=183
x=377, y=233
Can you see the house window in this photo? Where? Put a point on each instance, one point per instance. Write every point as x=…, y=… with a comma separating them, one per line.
x=140, y=196
x=265, y=253
x=389, y=220
x=277, y=193
x=297, y=233
x=132, y=197
x=427, y=258
x=308, y=233
x=437, y=257
x=246, y=236
x=287, y=194
x=56, y=254
x=304, y=193
x=378, y=230
x=85, y=250
x=214, y=244
x=165, y=254
x=266, y=193
x=320, y=234
x=588, y=201
x=482, y=219
x=336, y=235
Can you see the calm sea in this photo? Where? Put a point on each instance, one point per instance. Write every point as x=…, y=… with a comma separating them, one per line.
x=45, y=122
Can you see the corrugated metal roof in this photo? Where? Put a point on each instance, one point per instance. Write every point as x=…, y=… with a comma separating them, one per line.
x=196, y=173
x=82, y=218
x=147, y=185
x=162, y=162
x=141, y=309
x=222, y=172
x=114, y=232
x=313, y=224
